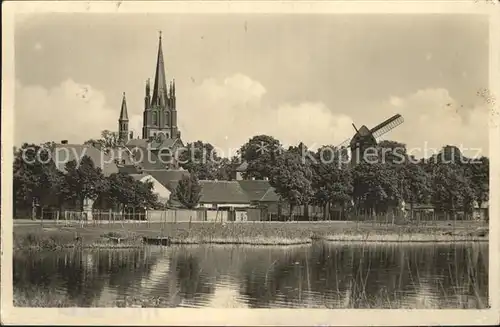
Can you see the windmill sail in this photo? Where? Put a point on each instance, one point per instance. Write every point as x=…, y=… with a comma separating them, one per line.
x=345, y=144
x=377, y=131
x=387, y=125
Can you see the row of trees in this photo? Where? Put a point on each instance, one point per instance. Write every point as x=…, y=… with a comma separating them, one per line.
x=323, y=177
x=36, y=177
x=447, y=180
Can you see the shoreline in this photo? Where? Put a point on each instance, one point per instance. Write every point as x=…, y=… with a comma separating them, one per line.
x=120, y=236
x=59, y=244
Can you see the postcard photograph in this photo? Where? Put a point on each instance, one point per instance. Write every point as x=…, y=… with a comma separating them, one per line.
x=250, y=160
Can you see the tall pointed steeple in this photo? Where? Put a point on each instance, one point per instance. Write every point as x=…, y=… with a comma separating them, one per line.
x=123, y=112
x=123, y=122
x=160, y=85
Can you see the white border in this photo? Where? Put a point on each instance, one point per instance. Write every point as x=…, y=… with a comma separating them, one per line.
x=245, y=317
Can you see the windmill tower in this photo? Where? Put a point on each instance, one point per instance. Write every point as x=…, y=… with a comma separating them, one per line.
x=367, y=138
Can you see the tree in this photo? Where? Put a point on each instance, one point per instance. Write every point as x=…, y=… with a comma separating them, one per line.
x=451, y=190
x=416, y=184
x=375, y=187
x=200, y=159
x=118, y=191
x=291, y=178
x=188, y=191
x=260, y=153
x=478, y=173
x=392, y=152
x=144, y=197
x=331, y=181
x=84, y=180
x=226, y=168
x=109, y=140
x=36, y=177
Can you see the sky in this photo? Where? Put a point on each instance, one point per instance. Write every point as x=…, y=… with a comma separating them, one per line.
x=298, y=77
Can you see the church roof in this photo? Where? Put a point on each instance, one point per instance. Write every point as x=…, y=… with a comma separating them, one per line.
x=147, y=159
x=155, y=143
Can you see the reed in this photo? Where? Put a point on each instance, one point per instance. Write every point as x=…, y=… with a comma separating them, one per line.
x=256, y=233
x=52, y=299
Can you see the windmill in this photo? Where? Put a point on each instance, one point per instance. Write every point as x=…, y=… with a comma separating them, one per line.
x=366, y=138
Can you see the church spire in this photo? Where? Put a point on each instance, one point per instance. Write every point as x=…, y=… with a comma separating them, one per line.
x=123, y=112
x=160, y=85
x=123, y=122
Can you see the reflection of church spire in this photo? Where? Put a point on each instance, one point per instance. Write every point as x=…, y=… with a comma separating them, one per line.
x=160, y=84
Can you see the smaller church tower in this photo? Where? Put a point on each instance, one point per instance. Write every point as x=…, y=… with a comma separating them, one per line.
x=123, y=122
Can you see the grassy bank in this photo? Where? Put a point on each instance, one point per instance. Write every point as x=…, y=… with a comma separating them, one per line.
x=53, y=236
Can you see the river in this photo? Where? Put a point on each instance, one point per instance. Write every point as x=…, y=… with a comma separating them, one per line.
x=321, y=275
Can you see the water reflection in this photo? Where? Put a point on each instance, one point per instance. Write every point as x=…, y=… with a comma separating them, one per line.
x=317, y=276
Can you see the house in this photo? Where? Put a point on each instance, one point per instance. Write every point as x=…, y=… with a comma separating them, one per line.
x=225, y=195
x=481, y=212
x=260, y=193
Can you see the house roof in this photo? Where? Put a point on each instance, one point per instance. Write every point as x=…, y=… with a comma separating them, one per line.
x=63, y=153
x=270, y=196
x=255, y=189
x=222, y=192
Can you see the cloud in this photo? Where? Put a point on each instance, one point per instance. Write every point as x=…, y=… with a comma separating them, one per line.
x=228, y=112
x=434, y=119
x=71, y=111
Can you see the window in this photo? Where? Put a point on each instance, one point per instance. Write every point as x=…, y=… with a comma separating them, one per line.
x=155, y=118
x=167, y=118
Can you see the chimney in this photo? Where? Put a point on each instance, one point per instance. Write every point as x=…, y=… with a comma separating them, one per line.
x=64, y=142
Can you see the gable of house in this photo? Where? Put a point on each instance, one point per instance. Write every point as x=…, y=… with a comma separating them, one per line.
x=167, y=177
x=161, y=191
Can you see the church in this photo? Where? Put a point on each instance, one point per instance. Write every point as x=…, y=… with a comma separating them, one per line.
x=155, y=151
x=153, y=156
